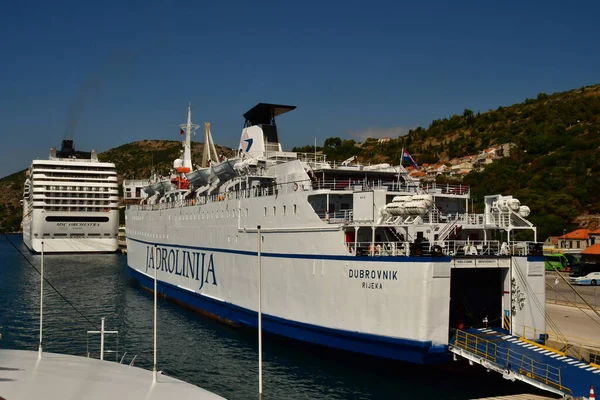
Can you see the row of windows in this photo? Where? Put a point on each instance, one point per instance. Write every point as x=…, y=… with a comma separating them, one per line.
x=71, y=195
x=78, y=188
x=166, y=236
x=233, y=213
x=78, y=202
x=72, y=168
x=283, y=210
x=74, y=177
x=73, y=209
x=132, y=232
x=73, y=235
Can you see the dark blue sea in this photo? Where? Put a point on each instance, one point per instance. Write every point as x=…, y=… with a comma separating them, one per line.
x=191, y=347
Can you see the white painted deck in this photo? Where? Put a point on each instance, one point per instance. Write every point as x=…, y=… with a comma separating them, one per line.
x=59, y=376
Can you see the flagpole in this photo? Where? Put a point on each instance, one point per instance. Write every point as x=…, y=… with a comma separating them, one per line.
x=400, y=169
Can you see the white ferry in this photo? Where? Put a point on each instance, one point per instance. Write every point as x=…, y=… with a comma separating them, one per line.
x=70, y=203
x=359, y=258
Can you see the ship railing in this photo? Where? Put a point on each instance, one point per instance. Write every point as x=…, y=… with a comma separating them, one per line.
x=364, y=184
x=276, y=189
x=378, y=249
x=452, y=248
x=433, y=188
x=583, y=349
x=507, y=219
x=467, y=219
x=472, y=248
x=336, y=217
x=509, y=359
x=312, y=157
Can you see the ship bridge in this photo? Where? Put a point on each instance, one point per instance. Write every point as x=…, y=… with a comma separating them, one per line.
x=530, y=361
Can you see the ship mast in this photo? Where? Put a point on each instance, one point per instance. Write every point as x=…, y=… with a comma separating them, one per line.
x=189, y=128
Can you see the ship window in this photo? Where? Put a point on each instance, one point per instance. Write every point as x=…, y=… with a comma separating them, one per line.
x=284, y=209
x=295, y=209
x=246, y=212
x=274, y=210
x=75, y=219
x=262, y=239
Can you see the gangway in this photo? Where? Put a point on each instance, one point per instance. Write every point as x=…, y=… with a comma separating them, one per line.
x=519, y=359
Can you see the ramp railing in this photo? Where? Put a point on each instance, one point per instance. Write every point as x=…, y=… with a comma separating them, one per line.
x=477, y=345
x=509, y=359
x=583, y=349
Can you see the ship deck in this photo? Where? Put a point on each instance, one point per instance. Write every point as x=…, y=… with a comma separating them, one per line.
x=57, y=376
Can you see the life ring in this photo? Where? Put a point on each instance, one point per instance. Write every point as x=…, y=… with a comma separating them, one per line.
x=295, y=186
x=437, y=250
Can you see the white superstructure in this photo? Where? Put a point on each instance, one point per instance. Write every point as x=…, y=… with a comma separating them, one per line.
x=70, y=202
x=357, y=258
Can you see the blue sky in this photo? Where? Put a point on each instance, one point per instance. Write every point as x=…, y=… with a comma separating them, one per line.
x=353, y=68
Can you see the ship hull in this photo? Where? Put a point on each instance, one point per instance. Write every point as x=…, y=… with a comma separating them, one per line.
x=413, y=351
x=71, y=237
x=327, y=300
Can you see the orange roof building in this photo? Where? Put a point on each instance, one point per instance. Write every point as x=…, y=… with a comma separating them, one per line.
x=593, y=250
x=579, y=234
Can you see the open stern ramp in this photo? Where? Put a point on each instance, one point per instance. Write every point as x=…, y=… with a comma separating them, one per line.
x=517, y=359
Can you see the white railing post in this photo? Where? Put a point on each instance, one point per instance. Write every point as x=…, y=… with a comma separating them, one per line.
x=259, y=315
x=102, y=339
x=40, y=348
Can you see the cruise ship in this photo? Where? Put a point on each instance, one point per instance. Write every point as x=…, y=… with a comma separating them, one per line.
x=361, y=258
x=70, y=203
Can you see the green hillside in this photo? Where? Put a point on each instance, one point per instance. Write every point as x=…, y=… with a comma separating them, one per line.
x=554, y=167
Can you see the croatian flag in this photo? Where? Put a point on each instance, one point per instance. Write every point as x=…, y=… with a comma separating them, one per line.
x=407, y=157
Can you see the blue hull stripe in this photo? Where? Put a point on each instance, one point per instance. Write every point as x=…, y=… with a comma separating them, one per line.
x=399, y=349
x=301, y=256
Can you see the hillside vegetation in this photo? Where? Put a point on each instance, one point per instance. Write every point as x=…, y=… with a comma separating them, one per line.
x=139, y=159
x=554, y=167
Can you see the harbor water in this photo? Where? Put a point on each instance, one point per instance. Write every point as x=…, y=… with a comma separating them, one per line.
x=194, y=348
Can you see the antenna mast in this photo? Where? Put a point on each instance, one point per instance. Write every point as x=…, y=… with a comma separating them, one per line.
x=188, y=128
